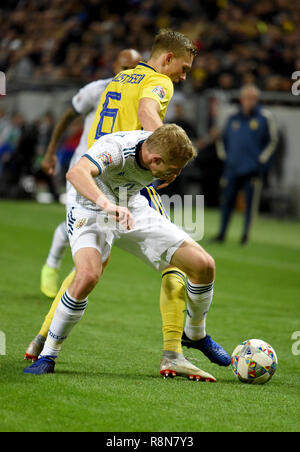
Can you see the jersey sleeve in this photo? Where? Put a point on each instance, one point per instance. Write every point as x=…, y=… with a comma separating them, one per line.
x=159, y=88
x=88, y=97
x=105, y=155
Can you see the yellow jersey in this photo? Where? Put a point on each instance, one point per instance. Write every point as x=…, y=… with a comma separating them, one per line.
x=118, y=107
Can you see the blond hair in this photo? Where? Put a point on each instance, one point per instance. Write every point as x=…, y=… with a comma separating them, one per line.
x=172, y=41
x=172, y=143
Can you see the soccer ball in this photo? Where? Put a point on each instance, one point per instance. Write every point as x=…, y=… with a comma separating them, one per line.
x=254, y=361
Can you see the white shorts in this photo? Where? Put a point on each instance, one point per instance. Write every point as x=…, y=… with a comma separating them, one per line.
x=154, y=238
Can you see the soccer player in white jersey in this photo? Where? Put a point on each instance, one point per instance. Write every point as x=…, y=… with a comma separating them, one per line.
x=144, y=107
x=116, y=163
x=84, y=103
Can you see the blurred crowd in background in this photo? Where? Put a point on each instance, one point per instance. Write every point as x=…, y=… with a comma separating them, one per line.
x=22, y=147
x=239, y=42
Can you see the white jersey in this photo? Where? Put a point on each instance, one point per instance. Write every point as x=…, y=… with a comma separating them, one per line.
x=85, y=103
x=117, y=158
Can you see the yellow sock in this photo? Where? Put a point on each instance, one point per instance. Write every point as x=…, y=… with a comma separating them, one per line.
x=172, y=308
x=48, y=319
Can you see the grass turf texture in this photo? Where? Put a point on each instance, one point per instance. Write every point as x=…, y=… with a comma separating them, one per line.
x=107, y=377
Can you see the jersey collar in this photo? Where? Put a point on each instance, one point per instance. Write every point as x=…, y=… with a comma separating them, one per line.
x=141, y=63
x=137, y=155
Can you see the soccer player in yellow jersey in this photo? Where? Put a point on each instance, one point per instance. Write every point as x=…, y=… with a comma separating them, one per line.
x=122, y=103
x=137, y=99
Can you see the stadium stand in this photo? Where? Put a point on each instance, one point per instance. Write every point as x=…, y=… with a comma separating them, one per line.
x=241, y=41
x=51, y=44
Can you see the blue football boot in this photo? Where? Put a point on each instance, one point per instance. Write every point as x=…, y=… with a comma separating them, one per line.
x=213, y=351
x=44, y=365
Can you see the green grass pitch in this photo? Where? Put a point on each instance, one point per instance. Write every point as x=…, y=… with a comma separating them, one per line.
x=107, y=377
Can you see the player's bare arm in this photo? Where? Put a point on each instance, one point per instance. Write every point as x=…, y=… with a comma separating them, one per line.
x=49, y=160
x=148, y=114
x=81, y=176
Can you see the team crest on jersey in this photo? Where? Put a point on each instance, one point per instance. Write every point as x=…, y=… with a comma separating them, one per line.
x=159, y=91
x=254, y=124
x=80, y=222
x=105, y=158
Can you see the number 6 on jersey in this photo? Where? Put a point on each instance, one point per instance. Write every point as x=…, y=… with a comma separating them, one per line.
x=107, y=112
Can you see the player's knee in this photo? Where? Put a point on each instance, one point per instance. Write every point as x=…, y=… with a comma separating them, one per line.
x=211, y=266
x=85, y=281
x=204, y=268
x=91, y=277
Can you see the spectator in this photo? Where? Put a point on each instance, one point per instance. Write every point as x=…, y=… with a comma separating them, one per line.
x=180, y=120
x=18, y=163
x=209, y=167
x=3, y=120
x=67, y=148
x=179, y=186
x=10, y=134
x=247, y=144
x=44, y=129
x=255, y=42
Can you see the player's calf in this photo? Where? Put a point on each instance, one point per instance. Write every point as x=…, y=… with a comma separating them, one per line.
x=200, y=269
x=83, y=284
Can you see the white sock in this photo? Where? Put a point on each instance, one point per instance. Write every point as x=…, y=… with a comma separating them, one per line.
x=59, y=244
x=199, y=300
x=68, y=312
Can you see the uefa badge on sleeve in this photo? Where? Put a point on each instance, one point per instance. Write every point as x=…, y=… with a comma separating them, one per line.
x=159, y=91
x=105, y=158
